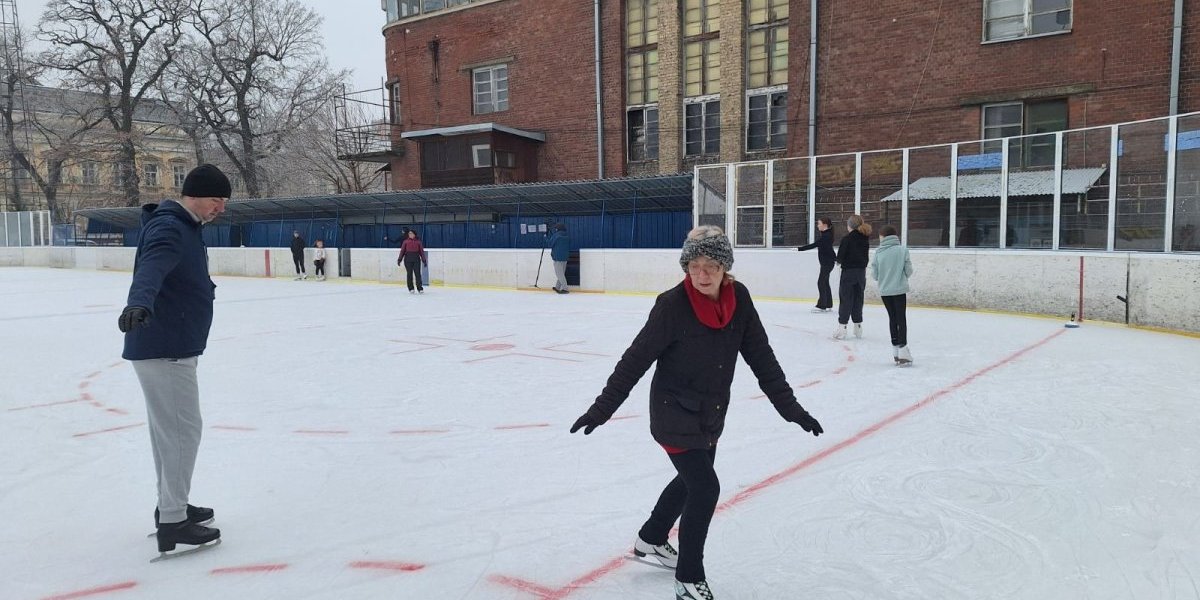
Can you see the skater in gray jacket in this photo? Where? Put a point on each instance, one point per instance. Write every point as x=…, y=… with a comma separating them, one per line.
x=891, y=268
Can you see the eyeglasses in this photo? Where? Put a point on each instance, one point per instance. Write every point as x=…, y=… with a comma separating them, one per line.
x=709, y=268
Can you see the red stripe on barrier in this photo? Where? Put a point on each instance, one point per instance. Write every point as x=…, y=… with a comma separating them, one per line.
x=249, y=569
x=267, y=261
x=93, y=591
x=547, y=593
x=110, y=429
x=386, y=565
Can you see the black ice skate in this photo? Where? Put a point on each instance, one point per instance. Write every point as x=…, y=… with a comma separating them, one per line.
x=170, y=535
x=195, y=514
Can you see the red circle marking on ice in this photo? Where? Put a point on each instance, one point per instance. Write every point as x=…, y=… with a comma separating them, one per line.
x=493, y=347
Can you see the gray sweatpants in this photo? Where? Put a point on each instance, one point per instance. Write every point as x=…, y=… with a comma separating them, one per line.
x=173, y=409
x=560, y=271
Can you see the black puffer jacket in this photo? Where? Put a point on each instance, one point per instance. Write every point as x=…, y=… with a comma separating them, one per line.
x=689, y=394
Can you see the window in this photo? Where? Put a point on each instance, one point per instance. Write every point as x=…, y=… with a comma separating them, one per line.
x=765, y=11
x=702, y=127
x=767, y=56
x=394, y=103
x=481, y=156
x=641, y=23
x=491, y=89
x=180, y=173
x=701, y=16
x=642, y=78
x=91, y=172
x=400, y=9
x=1014, y=19
x=1016, y=118
x=150, y=174
x=505, y=159
x=702, y=68
x=766, y=121
x=643, y=133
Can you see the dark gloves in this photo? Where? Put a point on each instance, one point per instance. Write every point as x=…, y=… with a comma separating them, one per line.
x=586, y=422
x=807, y=423
x=132, y=316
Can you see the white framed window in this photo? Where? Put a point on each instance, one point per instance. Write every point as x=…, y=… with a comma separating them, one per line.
x=179, y=172
x=394, y=102
x=481, y=155
x=766, y=119
x=400, y=9
x=90, y=170
x=490, y=85
x=702, y=126
x=1016, y=19
x=1012, y=119
x=150, y=174
x=642, y=132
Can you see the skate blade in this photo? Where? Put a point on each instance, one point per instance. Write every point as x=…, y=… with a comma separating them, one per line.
x=646, y=561
x=904, y=363
x=153, y=533
x=177, y=553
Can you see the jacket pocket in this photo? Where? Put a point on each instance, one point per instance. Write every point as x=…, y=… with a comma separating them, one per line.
x=677, y=413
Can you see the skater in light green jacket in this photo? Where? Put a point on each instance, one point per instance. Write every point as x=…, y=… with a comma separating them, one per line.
x=891, y=268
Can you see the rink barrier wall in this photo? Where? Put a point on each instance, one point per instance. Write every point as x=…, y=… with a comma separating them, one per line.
x=1163, y=289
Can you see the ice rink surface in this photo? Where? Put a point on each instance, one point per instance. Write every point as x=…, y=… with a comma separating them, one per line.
x=360, y=442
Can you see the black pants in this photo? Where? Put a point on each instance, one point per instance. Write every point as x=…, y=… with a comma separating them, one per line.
x=897, y=322
x=319, y=267
x=413, y=268
x=691, y=497
x=826, y=295
x=850, y=295
x=298, y=260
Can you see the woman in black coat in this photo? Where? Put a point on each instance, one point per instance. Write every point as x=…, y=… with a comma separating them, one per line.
x=828, y=259
x=695, y=332
x=852, y=256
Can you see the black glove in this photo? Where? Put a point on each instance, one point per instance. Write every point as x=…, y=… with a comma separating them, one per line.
x=586, y=422
x=808, y=423
x=132, y=316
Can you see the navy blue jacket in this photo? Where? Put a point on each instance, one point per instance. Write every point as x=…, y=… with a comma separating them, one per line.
x=560, y=246
x=170, y=279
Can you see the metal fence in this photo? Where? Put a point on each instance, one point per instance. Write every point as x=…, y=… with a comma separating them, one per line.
x=1127, y=187
x=26, y=228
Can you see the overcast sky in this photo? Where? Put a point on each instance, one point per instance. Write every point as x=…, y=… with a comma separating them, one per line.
x=351, y=29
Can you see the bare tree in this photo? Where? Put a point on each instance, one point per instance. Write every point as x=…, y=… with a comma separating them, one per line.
x=118, y=49
x=256, y=73
x=317, y=146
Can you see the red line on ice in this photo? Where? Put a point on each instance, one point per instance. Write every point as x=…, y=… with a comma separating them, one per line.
x=87, y=433
x=547, y=593
x=93, y=591
x=59, y=403
x=323, y=431
x=418, y=431
x=386, y=565
x=529, y=426
x=234, y=428
x=624, y=417
x=249, y=569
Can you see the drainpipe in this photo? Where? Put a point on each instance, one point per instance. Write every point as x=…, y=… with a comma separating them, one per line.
x=599, y=89
x=1176, y=46
x=812, y=78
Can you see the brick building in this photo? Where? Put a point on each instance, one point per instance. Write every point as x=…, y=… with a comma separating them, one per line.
x=490, y=91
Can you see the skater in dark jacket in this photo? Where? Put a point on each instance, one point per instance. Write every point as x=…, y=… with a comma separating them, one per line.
x=827, y=258
x=695, y=332
x=412, y=256
x=298, y=255
x=166, y=321
x=852, y=256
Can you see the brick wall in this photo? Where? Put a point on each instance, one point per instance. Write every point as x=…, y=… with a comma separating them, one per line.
x=551, y=79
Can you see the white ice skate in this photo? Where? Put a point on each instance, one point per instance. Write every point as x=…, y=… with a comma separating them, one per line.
x=840, y=333
x=304, y=276
x=664, y=554
x=858, y=330
x=896, y=354
x=821, y=310
x=903, y=356
x=692, y=591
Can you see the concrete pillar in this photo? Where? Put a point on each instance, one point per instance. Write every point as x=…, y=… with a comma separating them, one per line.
x=670, y=87
x=733, y=80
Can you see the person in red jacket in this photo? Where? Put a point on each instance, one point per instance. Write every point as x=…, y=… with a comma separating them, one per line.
x=412, y=256
x=695, y=332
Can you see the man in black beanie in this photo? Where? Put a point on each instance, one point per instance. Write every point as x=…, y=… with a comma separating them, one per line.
x=166, y=322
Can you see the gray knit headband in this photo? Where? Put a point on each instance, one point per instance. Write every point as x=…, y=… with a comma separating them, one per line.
x=716, y=247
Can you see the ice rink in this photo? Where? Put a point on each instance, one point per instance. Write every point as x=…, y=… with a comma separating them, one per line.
x=362, y=443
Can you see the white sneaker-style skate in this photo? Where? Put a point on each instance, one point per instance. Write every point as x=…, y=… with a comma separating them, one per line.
x=692, y=591
x=304, y=276
x=296, y=278
x=821, y=310
x=840, y=332
x=903, y=356
x=858, y=330
x=664, y=554
x=896, y=354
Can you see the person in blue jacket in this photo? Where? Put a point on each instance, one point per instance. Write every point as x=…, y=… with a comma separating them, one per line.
x=166, y=322
x=560, y=251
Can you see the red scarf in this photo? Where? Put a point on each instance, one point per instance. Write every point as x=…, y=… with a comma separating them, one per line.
x=713, y=313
